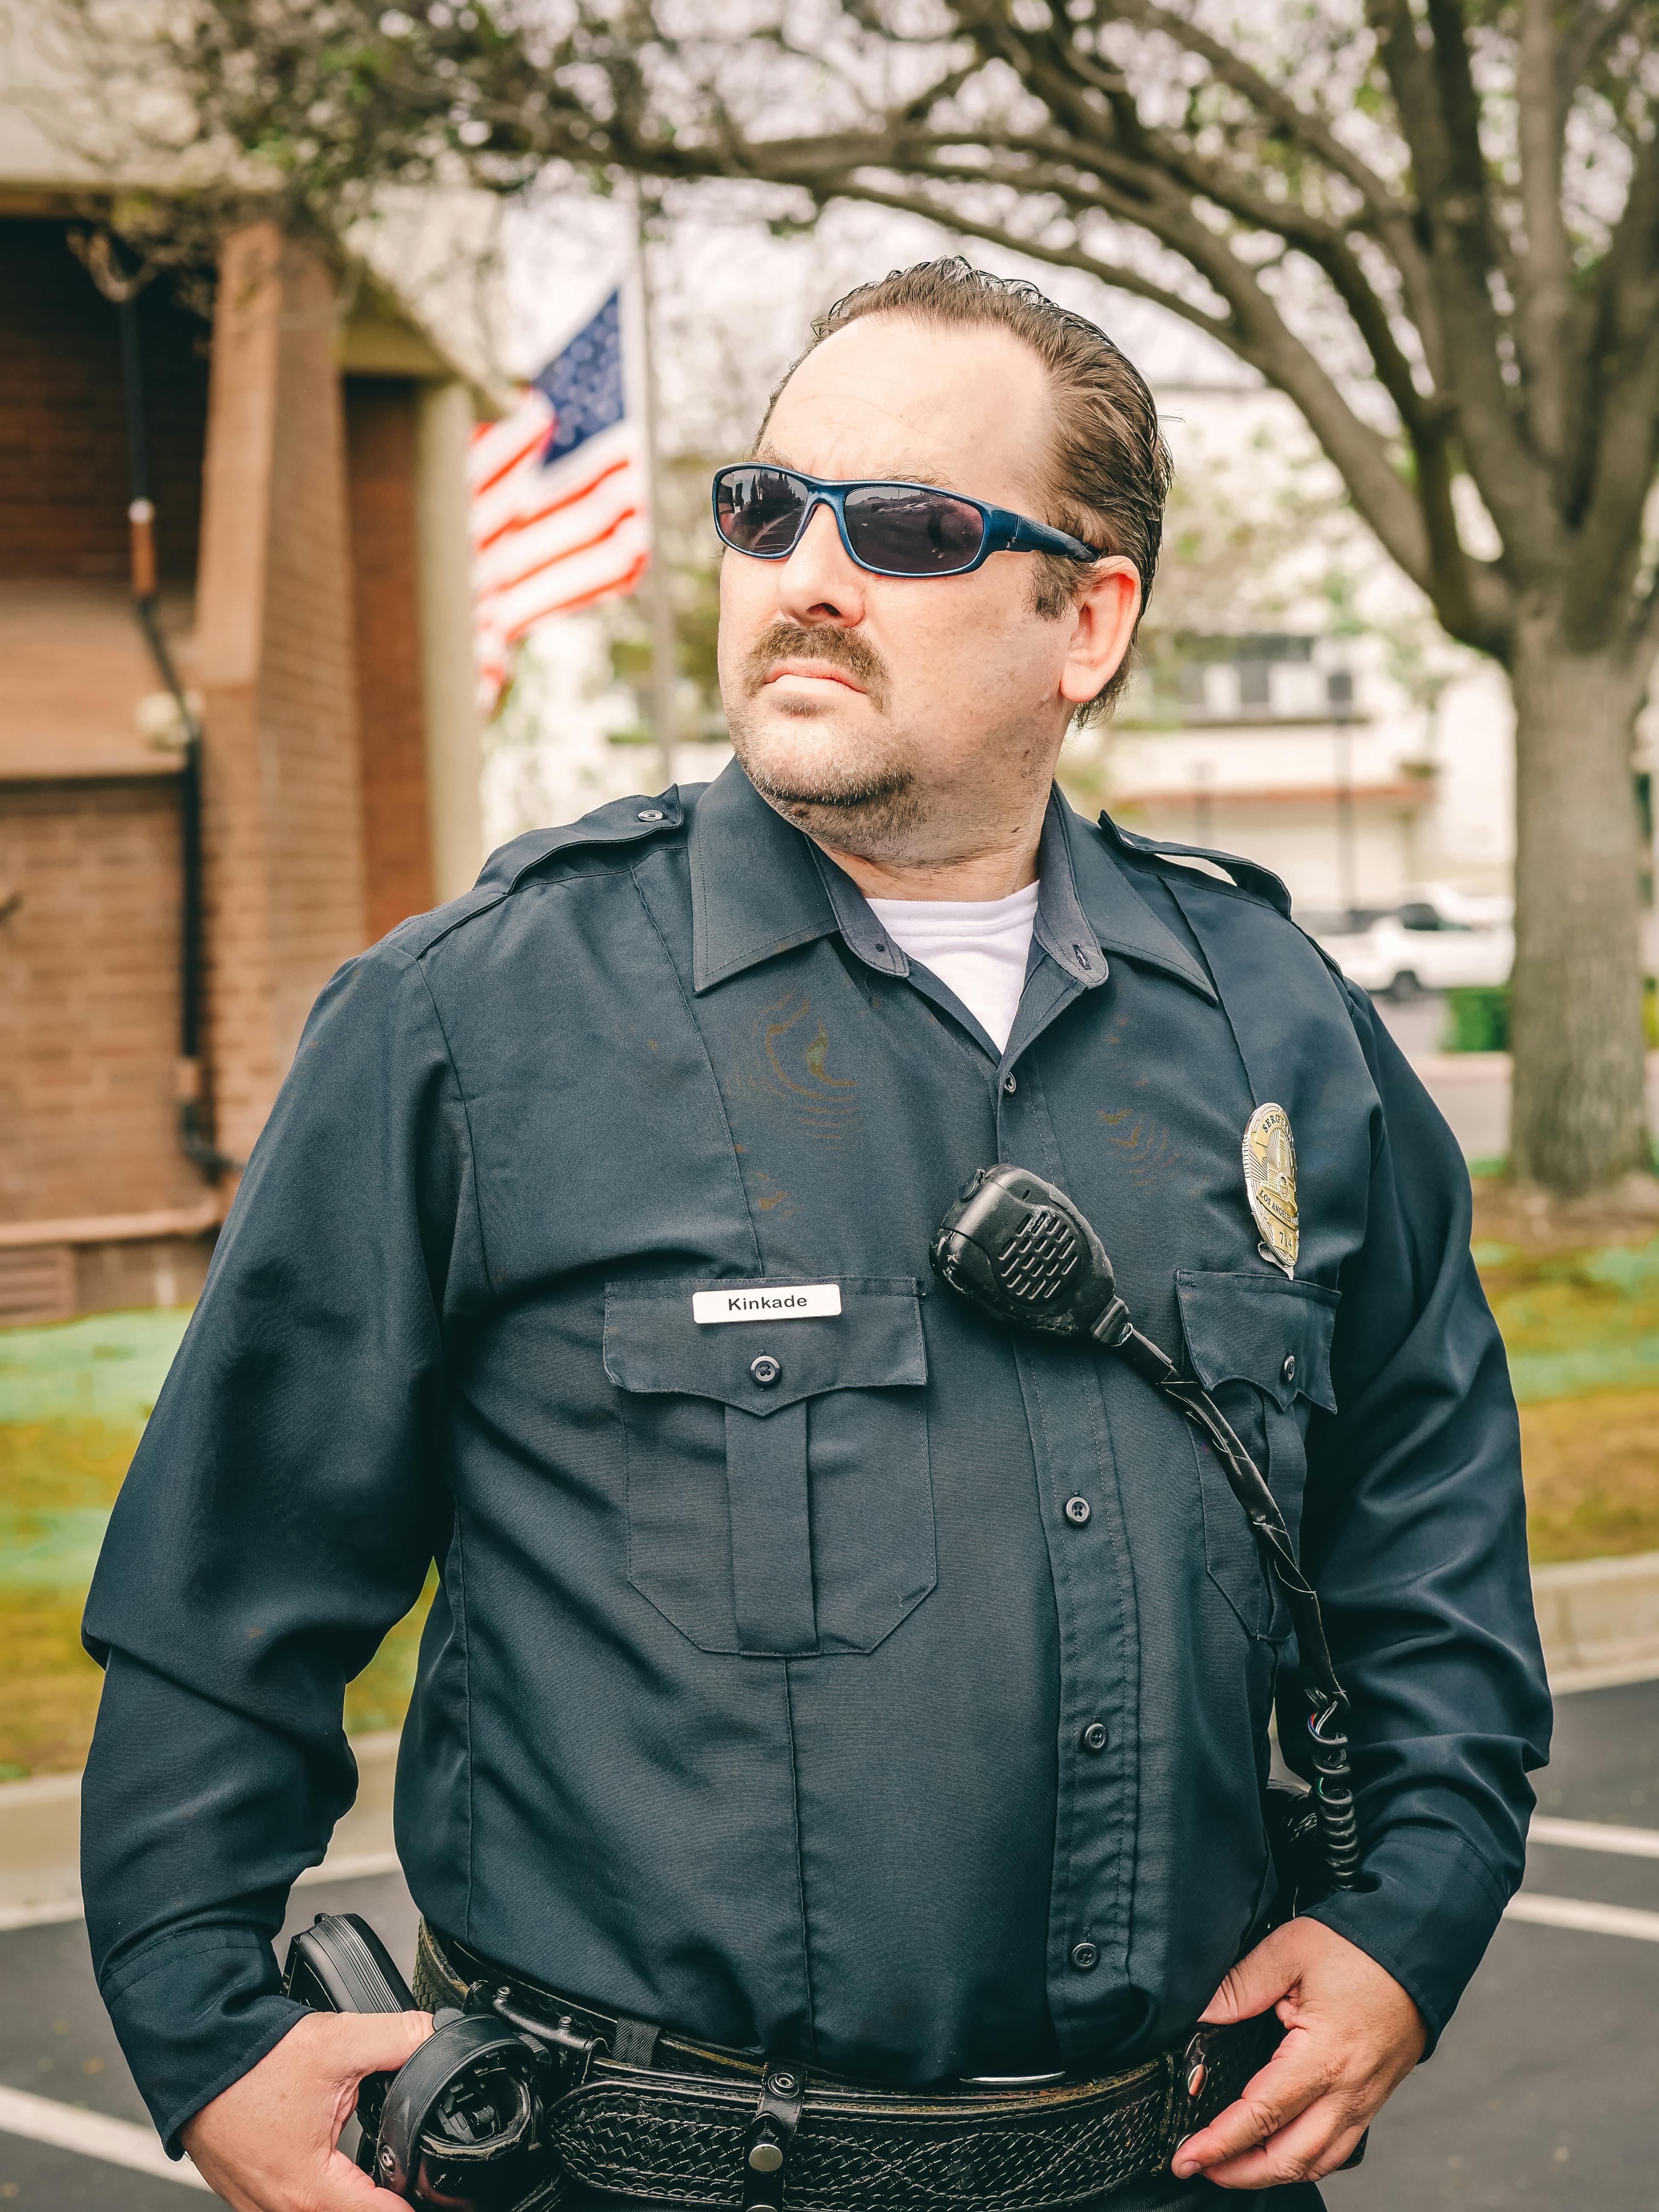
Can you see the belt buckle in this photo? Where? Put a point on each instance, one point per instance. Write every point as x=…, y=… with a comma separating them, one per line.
x=571, y=2051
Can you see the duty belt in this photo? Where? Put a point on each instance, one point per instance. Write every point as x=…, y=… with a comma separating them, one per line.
x=661, y=2117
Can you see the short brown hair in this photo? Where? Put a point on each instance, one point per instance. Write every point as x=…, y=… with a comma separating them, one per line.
x=1110, y=468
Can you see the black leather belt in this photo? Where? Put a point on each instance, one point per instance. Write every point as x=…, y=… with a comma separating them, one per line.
x=663, y=2118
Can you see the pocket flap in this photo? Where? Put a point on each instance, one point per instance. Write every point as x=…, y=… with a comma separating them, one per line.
x=653, y=1345
x=1249, y=1328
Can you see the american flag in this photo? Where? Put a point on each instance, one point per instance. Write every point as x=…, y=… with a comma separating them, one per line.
x=557, y=499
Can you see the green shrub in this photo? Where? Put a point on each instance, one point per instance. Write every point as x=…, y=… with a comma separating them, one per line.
x=1477, y=1018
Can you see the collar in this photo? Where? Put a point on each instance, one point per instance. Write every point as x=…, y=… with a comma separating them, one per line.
x=755, y=892
x=760, y=887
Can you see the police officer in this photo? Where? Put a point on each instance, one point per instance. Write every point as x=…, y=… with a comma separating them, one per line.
x=818, y=1669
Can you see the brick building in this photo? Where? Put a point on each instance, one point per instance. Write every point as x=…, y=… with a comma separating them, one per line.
x=308, y=464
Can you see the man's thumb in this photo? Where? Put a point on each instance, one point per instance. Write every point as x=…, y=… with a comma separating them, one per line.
x=377, y=2042
x=1257, y=1982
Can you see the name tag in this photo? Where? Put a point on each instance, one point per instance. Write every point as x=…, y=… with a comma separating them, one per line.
x=792, y=1301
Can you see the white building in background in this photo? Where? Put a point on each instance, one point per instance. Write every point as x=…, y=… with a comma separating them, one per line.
x=565, y=740
x=1280, y=725
x=1300, y=754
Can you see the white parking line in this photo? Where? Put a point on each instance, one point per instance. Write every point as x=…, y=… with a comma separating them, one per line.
x=1596, y=1836
x=94, y=2135
x=1576, y=1912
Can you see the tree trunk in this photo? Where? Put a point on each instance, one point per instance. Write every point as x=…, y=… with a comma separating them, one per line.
x=1579, y=1118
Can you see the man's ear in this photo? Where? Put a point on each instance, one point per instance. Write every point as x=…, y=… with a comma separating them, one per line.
x=1103, y=625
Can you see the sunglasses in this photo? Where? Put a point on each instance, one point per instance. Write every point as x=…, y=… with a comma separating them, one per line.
x=890, y=529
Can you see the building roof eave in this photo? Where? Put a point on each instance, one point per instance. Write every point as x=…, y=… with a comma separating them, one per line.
x=382, y=333
x=1410, y=792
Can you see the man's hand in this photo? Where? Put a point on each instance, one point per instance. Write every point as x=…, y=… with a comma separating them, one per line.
x=1353, y=2036
x=266, y=2144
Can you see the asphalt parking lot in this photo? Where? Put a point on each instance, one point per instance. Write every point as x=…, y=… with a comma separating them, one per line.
x=1542, y=2095
x=1471, y=1089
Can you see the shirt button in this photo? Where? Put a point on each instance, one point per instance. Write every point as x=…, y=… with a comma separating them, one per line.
x=1009, y=1084
x=1077, y=1511
x=1085, y=1957
x=652, y=814
x=1094, y=1736
x=765, y=1369
x=1288, y=1370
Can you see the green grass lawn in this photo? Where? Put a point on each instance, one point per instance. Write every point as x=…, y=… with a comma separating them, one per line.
x=1582, y=1333
x=1582, y=1329
x=1576, y=1323
x=74, y=1399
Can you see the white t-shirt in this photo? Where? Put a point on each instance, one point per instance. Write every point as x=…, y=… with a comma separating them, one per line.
x=978, y=946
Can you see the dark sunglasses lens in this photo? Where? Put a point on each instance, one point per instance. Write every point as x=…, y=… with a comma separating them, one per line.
x=758, y=510
x=911, y=532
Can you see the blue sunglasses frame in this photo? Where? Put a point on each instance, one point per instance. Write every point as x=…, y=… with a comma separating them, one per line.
x=1005, y=531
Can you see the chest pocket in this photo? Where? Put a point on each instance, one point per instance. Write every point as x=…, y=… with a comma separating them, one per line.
x=779, y=1497
x=1261, y=1346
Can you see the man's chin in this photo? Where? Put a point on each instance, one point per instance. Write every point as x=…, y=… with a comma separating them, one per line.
x=873, y=814
x=793, y=774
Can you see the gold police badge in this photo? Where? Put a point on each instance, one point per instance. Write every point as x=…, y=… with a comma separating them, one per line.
x=1270, y=1183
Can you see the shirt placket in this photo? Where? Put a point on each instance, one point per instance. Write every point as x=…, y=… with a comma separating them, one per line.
x=1084, y=1527
x=1084, y=1523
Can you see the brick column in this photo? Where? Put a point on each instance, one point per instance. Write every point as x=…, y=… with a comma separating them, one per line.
x=275, y=664
x=380, y=448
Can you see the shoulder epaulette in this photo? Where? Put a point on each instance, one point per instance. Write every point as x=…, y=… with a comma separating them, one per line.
x=1249, y=875
x=621, y=822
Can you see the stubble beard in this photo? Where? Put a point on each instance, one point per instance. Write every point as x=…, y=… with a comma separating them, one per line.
x=871, y=807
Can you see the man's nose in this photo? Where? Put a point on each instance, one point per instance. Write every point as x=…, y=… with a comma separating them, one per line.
x=819, y=584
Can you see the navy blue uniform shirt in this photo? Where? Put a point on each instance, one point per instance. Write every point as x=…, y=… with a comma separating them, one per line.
x=773, y=1709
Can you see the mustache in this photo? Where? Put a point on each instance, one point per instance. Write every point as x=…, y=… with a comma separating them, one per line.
x=841, y=649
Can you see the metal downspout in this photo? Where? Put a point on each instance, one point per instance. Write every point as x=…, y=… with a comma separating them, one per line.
x=194, y=1140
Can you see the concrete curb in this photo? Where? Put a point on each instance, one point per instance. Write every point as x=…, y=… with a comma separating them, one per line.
x=1598, y=1619
x=40, y=1838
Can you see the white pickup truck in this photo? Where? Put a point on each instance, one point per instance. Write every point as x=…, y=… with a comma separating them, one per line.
x=1421, y=944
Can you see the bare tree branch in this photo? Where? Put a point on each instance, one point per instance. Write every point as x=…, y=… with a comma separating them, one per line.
x=1389, y=213
x=1439, y=118
x=1276, y=107
x=1594, y=28
x=1626, y=451
x=1543, y=279
x=1015, y=126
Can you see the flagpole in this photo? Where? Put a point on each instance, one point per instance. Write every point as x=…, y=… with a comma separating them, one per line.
x=663, y=658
